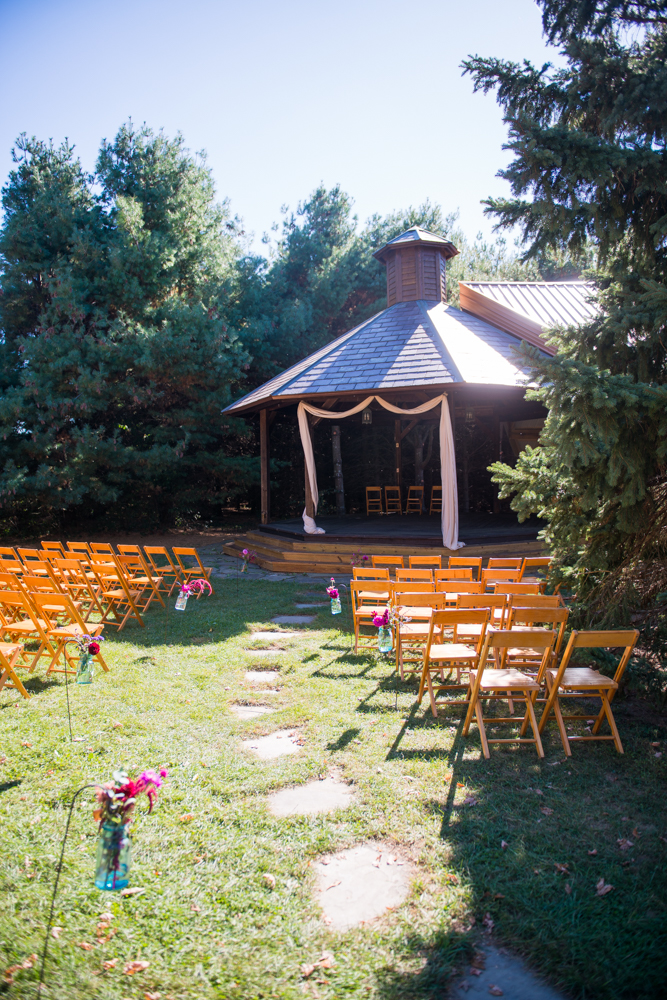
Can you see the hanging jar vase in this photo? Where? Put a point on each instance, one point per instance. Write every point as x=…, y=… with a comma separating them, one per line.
x=335, y=606
x=182, y=600
x=113, y=857
x=385, y=643
x=84, y=669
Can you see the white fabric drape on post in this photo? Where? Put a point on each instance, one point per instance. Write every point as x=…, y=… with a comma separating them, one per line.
x=450, y=505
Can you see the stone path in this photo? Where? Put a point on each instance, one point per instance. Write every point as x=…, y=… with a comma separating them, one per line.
x=312, y=798
x=250, y=711
x=361, y=884
x=262, y=676
x=278, y=744
x=504, y=973
x=294, y=619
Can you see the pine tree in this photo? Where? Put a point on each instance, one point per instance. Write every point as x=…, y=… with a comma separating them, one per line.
x=117, y=354
x=590, y=167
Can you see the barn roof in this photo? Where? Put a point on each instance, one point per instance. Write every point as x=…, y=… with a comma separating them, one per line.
x=416, y=343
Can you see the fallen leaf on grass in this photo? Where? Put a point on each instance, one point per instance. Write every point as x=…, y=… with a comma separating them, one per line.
x=327, y=960
x=495, y=991
x=307, y=970
x=152, y=996
x=85, y=946
x=504, y=845
x=546, y=810
x=625, y=844
x=561, y=869
x=568, y=889
x=475, y=972
x=186, y=818
x=488, y=922
x=136, y=891
x=130, y=968
x=56, y=932
x=27, y=963
x=470, y=800
x=593, y=853
x=111, y=964
x=270, y=880
x=24, y=743
x=602, y=888
x=451, y=877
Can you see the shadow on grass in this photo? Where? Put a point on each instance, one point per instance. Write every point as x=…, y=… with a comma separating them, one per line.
x=438, y=956
x=344, y=739
x=5, y=786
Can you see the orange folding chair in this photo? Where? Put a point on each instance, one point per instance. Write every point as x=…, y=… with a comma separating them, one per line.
x=425, y=562
x=140, y=577
x=387, y=562
x=369, y=597
x=586, y=682
x=54, y=548
x=163, y=566
x=9, y=561
x=414, y=575
x=192, y=572
x=114, y=593
x=80, y=550
x=20, y=623
x=378, y=573
x=412, y=628
x=492, y=577
x=498, y=563
x=65, y=625
x=374, y=500
x=436, y=500
x=490, y=683
x=453, y=574
x=392, y=500
x=9, y=654
x=80, y=585
x=461, y=652
x=452, y=589
x=472, y=562
x=34, y=562
x=415, y=501
x=497, y=604
x=531, y=564
x=101, y=549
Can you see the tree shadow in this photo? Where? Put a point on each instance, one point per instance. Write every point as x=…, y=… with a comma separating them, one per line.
x=344, y=739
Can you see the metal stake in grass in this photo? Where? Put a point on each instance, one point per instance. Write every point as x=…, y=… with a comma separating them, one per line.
x=55, y=887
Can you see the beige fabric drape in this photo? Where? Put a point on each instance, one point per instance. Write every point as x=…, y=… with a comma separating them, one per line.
x=450, y=505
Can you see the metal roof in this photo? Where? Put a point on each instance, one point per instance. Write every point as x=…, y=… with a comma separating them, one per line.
x=421, y=237
x=548, y=303
x=418, y=343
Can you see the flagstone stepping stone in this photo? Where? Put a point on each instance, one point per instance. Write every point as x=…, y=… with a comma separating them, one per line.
x=266, y=652
x=504, y=972
x=262, y=676
x=250, y=711
x=360, y=884
x=313, y=797
x=273, y=636
x=322, y=604
x=278, y=744
x=293, y=619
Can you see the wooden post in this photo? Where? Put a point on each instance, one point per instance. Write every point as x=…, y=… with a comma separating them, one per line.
x=338, y=469
x=397, y=442
x=265, y=485
x=496, y=455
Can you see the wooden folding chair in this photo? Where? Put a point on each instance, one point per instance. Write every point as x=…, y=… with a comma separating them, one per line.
x=163, y=566
x=498, y=563
x=497, y=604
x=460, y=652
x=102, y=549
x=374, y=500
x=115, y=593
x=140, y=577
x=65, y=625
x=373, y=573
x=392, y=500
x=425, y=562
x=586, y=682
x=473, y=562
x=9, y=654
x=20, y=622
x=414, y=575
x=489, y=683
x=452, y=589
x=530, y=599
x=418, y=607
x=54, y=548
x=415, y=502
x=79, y=550
x=453, y=574
x=388, y=562
x=9, y=581
x=492, y=577
x=34, y=562
x=531, y=564
x=436, y=500
x=9, y=561
x=528, y=617
x=192, y=572
x=79, y=584
x=517, y=589
x=369, y=597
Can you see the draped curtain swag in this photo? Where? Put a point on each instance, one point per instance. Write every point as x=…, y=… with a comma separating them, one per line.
x=450, y=505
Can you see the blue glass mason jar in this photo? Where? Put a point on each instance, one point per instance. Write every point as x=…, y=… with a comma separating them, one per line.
x=113, y=857
x=335, y=606
x=385, y=640
x=84, y=669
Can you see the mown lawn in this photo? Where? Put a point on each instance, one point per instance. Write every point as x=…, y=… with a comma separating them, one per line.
x=208, y=922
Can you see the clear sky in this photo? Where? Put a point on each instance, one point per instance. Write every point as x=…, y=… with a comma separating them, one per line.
x=282, y=94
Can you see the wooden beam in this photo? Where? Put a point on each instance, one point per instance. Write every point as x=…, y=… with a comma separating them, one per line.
x=265, y=485
x=398, y=462
x=413, y=423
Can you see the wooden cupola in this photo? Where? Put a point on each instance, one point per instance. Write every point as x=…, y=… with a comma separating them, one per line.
x=416, y=266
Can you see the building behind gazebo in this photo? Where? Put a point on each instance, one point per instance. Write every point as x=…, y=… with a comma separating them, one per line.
x=414, y=351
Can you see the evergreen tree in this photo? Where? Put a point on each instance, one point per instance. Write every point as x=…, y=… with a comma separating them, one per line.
x=590, y=167
x=117, y=353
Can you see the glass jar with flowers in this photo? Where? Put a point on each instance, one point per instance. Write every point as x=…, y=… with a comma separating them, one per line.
x=116, y=802
x=248, y=556
x=197, y=587
x=385, y=636
x=332, y=591
x=89, y=647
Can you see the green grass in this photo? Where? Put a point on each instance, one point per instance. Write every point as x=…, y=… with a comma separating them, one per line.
x=209, y=924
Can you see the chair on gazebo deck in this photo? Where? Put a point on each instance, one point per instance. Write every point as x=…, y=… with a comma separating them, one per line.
x=392, y=500
x=415, y=500
x=374, y=500
x=436, y=500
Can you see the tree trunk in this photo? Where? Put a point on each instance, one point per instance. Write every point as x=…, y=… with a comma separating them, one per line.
x=338, y=469
x=421, y=436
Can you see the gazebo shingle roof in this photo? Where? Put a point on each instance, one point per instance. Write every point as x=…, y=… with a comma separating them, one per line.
x=411, y=343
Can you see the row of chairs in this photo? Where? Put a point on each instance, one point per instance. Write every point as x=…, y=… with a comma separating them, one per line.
x=490, y=579
x=515, y=569
x=393, y=502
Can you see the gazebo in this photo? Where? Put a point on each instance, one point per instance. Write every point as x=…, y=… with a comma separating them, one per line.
x=419, y=359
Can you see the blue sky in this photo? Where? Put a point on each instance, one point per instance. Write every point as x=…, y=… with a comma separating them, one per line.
x=281, y=95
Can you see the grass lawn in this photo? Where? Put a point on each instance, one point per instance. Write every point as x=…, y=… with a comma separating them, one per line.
x=211, y=925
